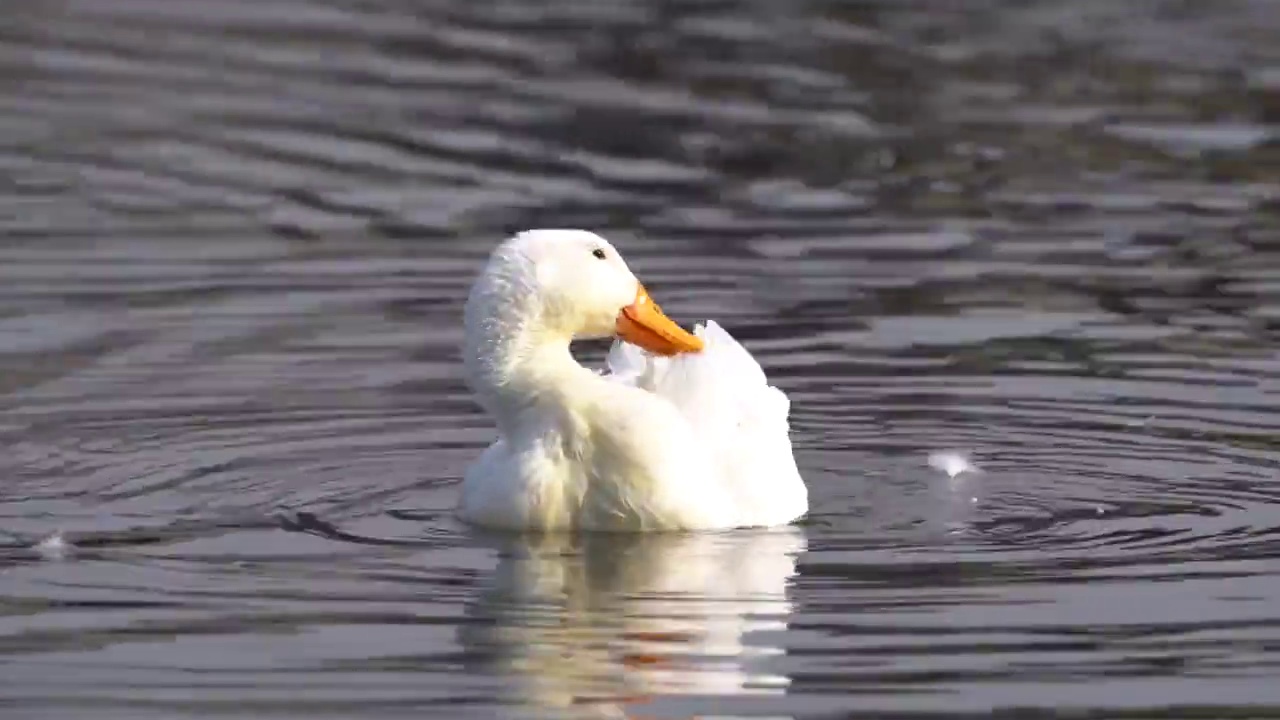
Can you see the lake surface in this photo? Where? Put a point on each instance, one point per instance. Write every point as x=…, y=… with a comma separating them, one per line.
x=235, y=238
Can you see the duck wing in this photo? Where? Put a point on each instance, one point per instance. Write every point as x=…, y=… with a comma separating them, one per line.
x=740, y=419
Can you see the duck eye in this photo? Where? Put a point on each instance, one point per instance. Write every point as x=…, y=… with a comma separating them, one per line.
x=598, y=253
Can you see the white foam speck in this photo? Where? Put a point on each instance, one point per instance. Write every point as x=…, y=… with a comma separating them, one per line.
x=951, y=463
x=53, y=547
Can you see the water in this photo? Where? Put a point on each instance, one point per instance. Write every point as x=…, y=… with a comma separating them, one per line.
x=237, y=235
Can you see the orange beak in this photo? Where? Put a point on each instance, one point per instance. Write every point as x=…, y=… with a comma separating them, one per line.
x=643, y=323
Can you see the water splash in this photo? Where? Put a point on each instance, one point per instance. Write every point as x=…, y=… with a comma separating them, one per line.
x=54, y=547
x=952, y=463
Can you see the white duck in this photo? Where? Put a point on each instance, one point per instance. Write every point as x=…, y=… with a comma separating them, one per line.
x=686, y=436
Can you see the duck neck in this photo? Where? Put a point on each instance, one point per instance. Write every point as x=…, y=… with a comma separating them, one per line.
x=514, y=365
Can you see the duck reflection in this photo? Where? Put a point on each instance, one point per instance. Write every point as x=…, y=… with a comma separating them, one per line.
x=589, y=626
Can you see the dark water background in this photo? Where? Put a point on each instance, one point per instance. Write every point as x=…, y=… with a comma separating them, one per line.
x=235, y=236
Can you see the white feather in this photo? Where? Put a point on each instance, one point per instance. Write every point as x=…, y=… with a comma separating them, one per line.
x=739, y=419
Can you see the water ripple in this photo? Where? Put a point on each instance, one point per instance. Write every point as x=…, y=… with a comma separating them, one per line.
x=237, y=239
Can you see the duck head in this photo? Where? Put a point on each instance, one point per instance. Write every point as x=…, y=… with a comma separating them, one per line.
x=542, y=289
x=574, y=284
